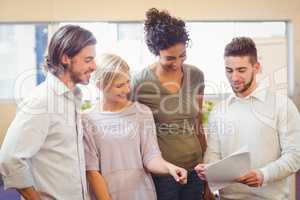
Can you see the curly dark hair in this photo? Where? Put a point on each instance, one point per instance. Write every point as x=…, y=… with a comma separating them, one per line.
x=242, y=46
x=163, y=31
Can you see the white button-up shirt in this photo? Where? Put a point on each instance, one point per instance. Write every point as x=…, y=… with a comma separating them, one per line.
x=43, y=146
x=269, y=124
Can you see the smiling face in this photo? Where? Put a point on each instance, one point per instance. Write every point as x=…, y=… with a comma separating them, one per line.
x=81, y=65
x=241, y=74
x=118, y=90
x=171, y=59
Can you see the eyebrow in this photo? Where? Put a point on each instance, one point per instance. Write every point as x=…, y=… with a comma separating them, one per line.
x=122, y=83
x=238, y=68
x=89, y=57
x=173, y=57
x=170, y=57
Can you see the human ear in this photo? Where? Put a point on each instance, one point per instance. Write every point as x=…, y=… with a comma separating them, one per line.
x=257, y=67
x=65, y=60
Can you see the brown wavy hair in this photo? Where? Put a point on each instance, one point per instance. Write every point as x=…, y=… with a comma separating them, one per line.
x=68, y=40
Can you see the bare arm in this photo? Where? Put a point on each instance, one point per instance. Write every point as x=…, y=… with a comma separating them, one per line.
x=158, y=165
x=98, y=185
x=29, y=193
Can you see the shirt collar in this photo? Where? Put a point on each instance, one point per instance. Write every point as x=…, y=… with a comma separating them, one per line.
x=260, y=93
x=57, y=85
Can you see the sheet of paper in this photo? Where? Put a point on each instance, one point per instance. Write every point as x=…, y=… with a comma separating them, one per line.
x=223, y=173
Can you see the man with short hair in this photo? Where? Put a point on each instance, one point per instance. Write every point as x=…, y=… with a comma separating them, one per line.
x=42, y=155
x=259, y=118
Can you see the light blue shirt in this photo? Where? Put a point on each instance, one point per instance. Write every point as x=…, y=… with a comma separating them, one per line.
x=43, y=146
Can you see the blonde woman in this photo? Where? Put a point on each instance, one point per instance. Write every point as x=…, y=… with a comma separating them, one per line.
x=120, y=140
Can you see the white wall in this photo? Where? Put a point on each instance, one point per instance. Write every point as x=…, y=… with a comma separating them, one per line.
x=120, y=10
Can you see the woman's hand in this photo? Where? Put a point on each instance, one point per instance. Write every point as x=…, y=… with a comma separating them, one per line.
x=178, y=173
x=158, y=165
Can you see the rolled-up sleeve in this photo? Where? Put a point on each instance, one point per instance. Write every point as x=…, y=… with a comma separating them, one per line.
x=23, y=140
x=289, y=136
x=213, y=152
x=92, y=161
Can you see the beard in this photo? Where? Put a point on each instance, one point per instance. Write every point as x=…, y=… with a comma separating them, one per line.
x=76, y=76
x=245, y=87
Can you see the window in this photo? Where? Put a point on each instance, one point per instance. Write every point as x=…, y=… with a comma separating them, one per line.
x=21, y=57
x=205, y=51
x=22, y=49
x=209, y=40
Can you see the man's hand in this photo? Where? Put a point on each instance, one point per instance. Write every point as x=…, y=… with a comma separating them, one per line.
x=178, y=173
x=29, y=193
x=200, y=169
x=253, y=178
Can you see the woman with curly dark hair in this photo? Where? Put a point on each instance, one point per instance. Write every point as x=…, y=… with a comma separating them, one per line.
x=173, y=90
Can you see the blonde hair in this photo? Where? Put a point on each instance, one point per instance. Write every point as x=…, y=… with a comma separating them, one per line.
x=109, y=67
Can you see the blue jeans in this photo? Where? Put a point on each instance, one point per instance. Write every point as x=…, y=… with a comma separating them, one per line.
x=168, y=189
